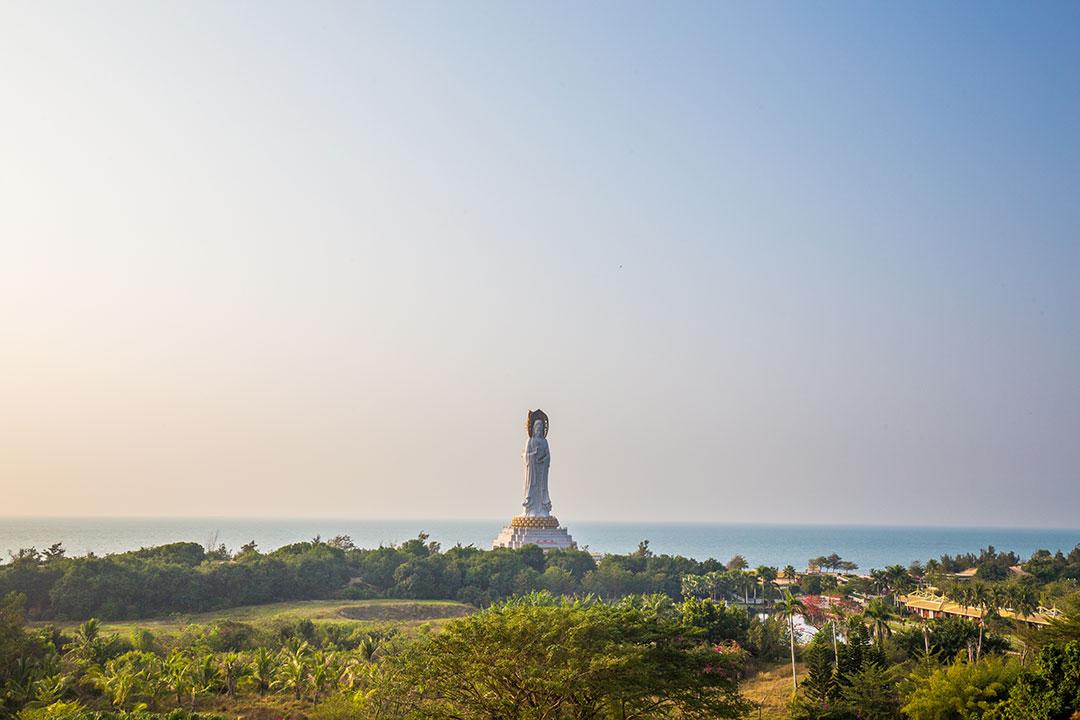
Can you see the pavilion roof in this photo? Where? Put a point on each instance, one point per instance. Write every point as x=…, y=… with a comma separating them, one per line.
x=930, y=600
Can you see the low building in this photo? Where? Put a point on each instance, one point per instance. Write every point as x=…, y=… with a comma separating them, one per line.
x=928, y=603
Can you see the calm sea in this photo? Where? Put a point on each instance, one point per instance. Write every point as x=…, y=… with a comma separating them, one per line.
x=777, y=545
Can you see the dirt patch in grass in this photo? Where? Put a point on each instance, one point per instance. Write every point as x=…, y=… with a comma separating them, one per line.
x=405, y=611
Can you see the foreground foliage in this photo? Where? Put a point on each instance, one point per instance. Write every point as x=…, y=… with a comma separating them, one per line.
x=535, y=657
x=551, y=660
x=963, y=690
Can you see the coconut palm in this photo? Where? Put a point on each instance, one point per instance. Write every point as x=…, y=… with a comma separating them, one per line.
x=322, y=671
x=116, y=681
x=25, y=672
x=766, y=575
x=691, y=586
x=175, y=674
x=292, y=670
x=354, y=672
x=981, y=598
x=879, y=614
x=1023, y=600
x=152, y=676
x=87, y=647
x=788, y=608
x=836, y=616
x=50, y=689
x=232, y=667
x=898, y=580
x=713, y=584
x=203, y=676
x=260, y=670
x=369, y=647
x=991, y=598
x=1024, y=603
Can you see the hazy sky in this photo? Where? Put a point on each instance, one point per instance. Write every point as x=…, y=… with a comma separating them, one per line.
x=759, y=262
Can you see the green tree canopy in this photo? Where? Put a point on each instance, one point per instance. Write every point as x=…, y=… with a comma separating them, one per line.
x=542, y=659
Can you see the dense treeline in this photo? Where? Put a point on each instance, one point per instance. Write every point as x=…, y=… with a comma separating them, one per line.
x=187, y=578
x=181, y=577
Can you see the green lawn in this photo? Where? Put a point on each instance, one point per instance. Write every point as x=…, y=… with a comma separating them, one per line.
x=405, y=613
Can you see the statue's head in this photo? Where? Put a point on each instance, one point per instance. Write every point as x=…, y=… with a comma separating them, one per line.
x=536, y=424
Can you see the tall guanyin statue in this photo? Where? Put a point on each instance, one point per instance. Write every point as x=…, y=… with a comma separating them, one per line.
x=537, y=457
x=536, y=525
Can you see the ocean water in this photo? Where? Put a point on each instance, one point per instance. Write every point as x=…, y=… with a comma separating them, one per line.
x=778, y=545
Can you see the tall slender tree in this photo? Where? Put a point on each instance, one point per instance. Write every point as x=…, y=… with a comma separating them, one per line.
x=788, y=608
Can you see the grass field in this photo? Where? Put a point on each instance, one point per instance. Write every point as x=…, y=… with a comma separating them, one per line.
x=401, y=613
x=770, y=691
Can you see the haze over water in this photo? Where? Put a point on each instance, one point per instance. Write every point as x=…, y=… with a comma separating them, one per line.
x=299, y=259
x=776, y=545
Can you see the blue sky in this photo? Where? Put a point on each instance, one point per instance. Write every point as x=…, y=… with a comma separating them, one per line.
x=759, y=262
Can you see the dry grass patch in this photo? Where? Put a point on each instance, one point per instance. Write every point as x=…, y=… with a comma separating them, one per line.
x=770, y=690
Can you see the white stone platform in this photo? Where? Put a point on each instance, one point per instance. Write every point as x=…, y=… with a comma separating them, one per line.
x=520, y=533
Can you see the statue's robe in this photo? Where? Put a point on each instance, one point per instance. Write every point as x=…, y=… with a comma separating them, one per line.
x=537, y=462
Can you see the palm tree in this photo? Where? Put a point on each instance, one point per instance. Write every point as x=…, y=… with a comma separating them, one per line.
x=964, y=595
x=115, y=680
x=175, y=675
x=323, y=671
x=203, y=676
x=714, y=583
x=925, y=624
x=691, y=585
x=1024, y=603
x=788, y=608
x=369, y=647
x=837, y=614
x=87, y=644
x=232, y=669
x=50, y=689
x=355, y=671
x=899, y=580
x=261, y=670
x=991, y=599
x=766, y=575
x=980, y=597
x=879, y=614
x=153, y=677
x=292, y=672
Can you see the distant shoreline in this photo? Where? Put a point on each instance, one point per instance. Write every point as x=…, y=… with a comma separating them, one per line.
x=760, y=544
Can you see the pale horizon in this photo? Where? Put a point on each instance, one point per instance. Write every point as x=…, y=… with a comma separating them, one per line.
x=641, y=521
x=791, y=264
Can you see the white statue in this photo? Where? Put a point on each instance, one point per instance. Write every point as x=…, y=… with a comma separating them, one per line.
x=537, y=459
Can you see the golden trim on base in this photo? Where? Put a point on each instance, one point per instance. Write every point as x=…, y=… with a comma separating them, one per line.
x=531, y=521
